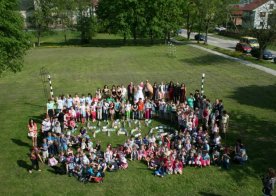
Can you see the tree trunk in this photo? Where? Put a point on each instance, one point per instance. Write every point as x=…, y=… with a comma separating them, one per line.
x=261, y=53
x=38, y=38
x=206, y=33
x=151, y=37
x=124, y=38
x=188, y=25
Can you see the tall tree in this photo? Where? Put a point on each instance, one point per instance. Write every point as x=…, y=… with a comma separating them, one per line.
x=87, y=22
x=211, y=13
x=42, y=17
x=170, y=16
x=13, y=40
x=190, y=13
x=65, y=14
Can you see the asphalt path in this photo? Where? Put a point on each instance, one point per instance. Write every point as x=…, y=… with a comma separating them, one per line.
x=222, y=43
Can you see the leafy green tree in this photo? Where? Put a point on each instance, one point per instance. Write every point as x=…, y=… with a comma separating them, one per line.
x=13, y=40
x=65, y=15
x=211, y=13
x=42, y=17
x=87, y=22
x=170, y=16
x=190, y=13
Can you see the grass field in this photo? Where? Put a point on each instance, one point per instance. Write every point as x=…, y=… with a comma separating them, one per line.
x=249, y=95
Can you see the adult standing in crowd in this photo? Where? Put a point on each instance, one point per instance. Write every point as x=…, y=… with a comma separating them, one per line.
x=130, y=92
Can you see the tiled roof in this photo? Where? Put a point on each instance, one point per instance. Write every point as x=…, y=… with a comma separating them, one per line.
x=253, y=5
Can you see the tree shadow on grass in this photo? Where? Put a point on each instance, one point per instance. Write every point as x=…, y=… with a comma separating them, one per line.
x=259, y=139
x=105, y=43
x=34, y=105
x=208, y=194
x=23, y=164
x=206, y=59
x=20, y=143
x=39, y=118
x=258, y=96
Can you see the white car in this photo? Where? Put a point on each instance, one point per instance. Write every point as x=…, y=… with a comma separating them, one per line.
x=220, y=29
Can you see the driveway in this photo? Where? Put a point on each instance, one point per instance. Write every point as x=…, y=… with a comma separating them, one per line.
x=222, y=43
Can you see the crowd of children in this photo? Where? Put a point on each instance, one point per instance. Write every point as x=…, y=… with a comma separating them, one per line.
x=197, y=142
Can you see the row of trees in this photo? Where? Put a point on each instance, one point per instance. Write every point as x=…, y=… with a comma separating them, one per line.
x=159, y=18
x=130, y=18
x=66, y=15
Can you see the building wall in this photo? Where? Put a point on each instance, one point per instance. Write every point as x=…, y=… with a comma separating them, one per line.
x=260, y=21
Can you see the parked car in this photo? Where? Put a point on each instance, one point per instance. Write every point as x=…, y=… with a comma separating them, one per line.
x=199, y=37
x=251, y=41
x=219, y=29
x=243, y=48
x=255, y=52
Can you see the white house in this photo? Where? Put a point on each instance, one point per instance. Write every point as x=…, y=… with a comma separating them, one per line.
x=254, y=13
x=261, y=14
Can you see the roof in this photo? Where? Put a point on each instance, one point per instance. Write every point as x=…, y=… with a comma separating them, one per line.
x=253, y=5
x=238, y=9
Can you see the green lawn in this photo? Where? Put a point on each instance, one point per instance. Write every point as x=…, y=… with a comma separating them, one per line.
x=249, y=95
x=266, y=63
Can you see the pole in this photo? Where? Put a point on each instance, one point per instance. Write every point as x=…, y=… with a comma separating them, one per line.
x=43, y=74
x=51, y=88
x=202, y=84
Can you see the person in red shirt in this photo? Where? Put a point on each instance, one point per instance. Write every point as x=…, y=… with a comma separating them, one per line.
x=140, y=108
x=178, y=167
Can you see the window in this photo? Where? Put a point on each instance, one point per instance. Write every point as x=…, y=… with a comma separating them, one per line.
x=271, y=6
x=262, y=14
x=261, y=23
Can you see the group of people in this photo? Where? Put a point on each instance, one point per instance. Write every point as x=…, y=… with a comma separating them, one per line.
x=197, y=142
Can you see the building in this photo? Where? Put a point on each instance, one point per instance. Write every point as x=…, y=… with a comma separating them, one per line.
x=26, y=9
x=253, y=13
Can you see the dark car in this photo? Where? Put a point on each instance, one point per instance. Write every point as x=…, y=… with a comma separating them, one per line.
x=199, y=37
x=274, y=59
x=255, y=52
x=243, y=48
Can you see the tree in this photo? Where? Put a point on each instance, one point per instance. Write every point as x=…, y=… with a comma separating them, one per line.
x=170, y=16
x=42, y=17
x=65, y=14
x=87, y=22
x=190, y=13
x=212, y=12
x=13, y=40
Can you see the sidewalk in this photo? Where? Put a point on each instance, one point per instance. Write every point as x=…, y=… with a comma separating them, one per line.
x=246, y=63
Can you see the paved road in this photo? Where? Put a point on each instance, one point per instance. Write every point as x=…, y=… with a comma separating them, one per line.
x=222, y=43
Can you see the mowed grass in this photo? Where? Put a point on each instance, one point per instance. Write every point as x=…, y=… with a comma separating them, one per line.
x=248, y=94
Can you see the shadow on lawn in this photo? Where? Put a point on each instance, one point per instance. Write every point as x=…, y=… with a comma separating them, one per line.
x=20, y=143
x=23, y=164
x=258, y=96
x=259, y=140
x=34, y=105
x=208, y=194
x=105, y=43
x=205, y=60
x=38, y=119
